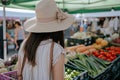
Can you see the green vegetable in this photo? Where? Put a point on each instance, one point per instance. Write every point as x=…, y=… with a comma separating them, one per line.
x=83, y=62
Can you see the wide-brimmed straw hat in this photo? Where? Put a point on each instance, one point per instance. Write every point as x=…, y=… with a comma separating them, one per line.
x=49, y=18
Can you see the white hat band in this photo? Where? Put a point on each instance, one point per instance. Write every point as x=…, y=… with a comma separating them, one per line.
x=44, y=20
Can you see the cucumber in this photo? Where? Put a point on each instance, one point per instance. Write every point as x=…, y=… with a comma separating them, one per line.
x=92, y=66
x=76, y=66
x=80, y=64
x=99, y=61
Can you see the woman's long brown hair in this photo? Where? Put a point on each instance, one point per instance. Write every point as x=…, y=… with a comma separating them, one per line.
x=34, y=40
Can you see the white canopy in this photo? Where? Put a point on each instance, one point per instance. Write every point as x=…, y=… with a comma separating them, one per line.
x=10, y=12
x=102, y=14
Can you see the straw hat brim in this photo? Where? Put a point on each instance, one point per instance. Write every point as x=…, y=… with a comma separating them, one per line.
x=31, y=25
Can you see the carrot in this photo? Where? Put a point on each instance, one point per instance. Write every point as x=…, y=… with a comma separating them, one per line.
x=73, y=48
x=86, y=52
x=90, y=47
x=81, y=49
x=92, y=50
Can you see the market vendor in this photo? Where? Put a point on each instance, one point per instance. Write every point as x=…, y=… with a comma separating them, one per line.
x=69, y=32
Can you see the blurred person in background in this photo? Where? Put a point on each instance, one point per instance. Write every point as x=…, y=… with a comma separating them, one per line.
x=85, y=25
x=116, y=24
x=119, y=25
x=9, y=26
x=69, y=32
x=111, y=26
x=19, y=34
x=89, y=26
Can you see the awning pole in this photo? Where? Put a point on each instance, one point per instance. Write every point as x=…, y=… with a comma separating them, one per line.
x=4, y=33
x=63, y=5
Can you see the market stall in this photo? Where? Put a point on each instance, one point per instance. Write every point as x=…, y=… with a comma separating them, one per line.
x=91, y=54
x=94, y=51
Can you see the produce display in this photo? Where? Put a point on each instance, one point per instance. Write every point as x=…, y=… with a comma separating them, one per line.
x=100, y=43
x=83, y=35
x=116, y=40
x=82, y=49
x=9, y=65
x=2, y=67
x=2, y=70
x=109, y=54
x=114, y=36
x=93, y=65
x=70, y=73
x=12, y=60
x=93, y=58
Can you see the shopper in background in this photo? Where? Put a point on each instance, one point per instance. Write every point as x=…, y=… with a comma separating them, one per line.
x=119, y=25
x=41, y=56
x=75, y=25
x=116, y=24
x=85, y=25
x=89, y=27
x=106, y=23
x=69, y=32
x=93, y=26
x=111, y=26
x=99, y=28
x=19, y=34
x=8, y=27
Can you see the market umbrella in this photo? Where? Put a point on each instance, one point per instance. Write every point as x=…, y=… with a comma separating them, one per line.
x=73, y=6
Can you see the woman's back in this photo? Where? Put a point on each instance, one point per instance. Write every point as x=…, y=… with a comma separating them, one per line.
x=41, y=70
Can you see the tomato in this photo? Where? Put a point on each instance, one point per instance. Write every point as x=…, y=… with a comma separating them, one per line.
x=108, y=59
x=107, y=48
x=108, y=55
x=112, y=58
x=104, y=58
x=118, y=53
x=93, y=52
x=113, y=53
x=112, y=47
x=117, y=48
x=102, y=53
x=101, y=50
x=96, y=54
x=100, y=56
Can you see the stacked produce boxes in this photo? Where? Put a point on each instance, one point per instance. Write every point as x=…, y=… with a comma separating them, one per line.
x=100, y=59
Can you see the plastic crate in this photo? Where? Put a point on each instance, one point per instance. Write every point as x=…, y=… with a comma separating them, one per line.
x=73, y=41
x=4, y=77
x=12, y=75
x=112, y=72
x=101, y=35
x=82, y=76
x=106, y=75
x=115, y=68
